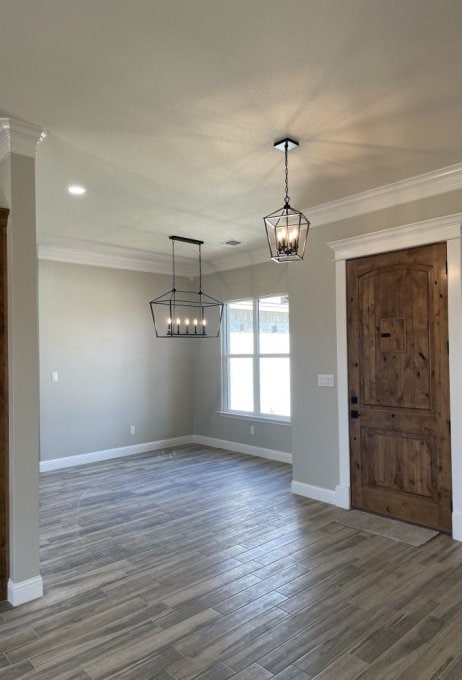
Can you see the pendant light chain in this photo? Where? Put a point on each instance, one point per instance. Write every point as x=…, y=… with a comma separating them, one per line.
x=287, y=198
x=200, y=270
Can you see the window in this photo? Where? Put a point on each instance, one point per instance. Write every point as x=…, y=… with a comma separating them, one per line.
x=256, y=358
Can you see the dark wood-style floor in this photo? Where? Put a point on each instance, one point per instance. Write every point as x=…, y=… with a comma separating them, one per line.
x=198, y=563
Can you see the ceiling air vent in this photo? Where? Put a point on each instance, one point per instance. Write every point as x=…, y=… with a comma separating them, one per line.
x=232, y=242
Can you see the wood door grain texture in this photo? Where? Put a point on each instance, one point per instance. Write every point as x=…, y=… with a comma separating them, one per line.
x=199, y=564
x=398, y=365
x=3, y=407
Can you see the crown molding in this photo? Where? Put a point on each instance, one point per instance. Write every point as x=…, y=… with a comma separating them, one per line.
x=157, y=263
x=17, y=136
x=236, y=260
x=412, y=189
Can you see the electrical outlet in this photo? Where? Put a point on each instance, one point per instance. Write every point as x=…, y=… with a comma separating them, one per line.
x=326, y=381
x=132, y=429
x=252, y=429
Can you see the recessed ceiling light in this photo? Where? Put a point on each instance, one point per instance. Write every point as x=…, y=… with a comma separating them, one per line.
x=232, y=242
x=76, y=190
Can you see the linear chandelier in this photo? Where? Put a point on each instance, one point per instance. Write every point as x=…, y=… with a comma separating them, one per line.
x=184, y=313
x=286, y=228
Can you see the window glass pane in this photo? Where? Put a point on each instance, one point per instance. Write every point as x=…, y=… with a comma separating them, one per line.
x=273, y=321
x=240, y=394
x=275, y=386
x=240, y=327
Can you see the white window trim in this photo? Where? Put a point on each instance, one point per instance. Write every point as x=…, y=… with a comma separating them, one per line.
x=225, y=355
x=244, y=415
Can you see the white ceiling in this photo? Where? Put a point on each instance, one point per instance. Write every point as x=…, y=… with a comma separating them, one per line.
x=166, y=110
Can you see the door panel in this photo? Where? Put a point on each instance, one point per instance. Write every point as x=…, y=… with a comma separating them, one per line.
x=398, y=372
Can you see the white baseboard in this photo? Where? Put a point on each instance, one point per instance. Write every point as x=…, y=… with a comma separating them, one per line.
x=24, y=591
x=457, y=525
x=316, y=493
x=107, y=454
x=343, y=497
x=249, y=450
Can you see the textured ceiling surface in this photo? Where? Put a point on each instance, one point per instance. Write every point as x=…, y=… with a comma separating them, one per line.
x=167, y=110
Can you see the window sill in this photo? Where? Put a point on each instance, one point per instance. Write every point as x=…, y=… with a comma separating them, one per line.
x=275, y=420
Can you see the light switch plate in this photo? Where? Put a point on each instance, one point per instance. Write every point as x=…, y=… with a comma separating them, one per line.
x=54, y=376
x=326, y=381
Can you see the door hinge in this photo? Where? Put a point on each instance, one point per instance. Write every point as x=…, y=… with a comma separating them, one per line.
x=354, y=413
x=449, y=426
x=446, y=265
x=447, y=346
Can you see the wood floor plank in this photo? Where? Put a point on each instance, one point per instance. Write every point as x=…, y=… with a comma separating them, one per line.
x=216, y=671
x=153, y=666
x=293, y=673
x=120, y=655
x=401, y=656
x=19, y=670
x=198, y=641
x=217, y=648
x=346, y=667
x=254, y=672
x=385, y=636
x=134, y=610
x=17, y=637
x=200, y=564
x=453, y=670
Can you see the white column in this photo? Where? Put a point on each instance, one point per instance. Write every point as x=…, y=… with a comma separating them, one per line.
x=18, y=144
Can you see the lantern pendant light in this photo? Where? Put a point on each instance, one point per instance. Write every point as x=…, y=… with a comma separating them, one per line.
x=186, y=313
x=286, y=228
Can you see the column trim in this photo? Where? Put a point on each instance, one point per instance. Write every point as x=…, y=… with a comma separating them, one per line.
x=17, y=136
x=25, y=591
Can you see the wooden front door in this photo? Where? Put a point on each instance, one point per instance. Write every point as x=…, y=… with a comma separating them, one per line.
x=3, y=408
x=398, y=367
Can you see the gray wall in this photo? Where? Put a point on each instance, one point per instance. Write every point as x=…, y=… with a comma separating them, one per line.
x=313, y=336
x=246, y=282
x=96, y=331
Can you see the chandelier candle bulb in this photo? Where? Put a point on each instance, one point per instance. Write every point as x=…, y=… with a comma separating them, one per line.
x=195, y=326
x=169, y=323
x=187, y=326
x=178, y=321
x=282, y=237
